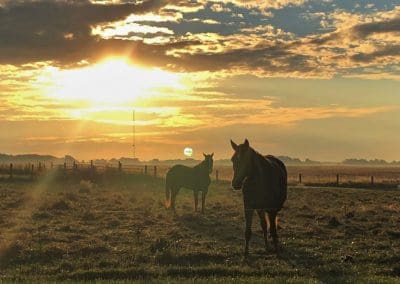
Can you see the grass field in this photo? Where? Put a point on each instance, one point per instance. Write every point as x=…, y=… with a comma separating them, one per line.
x=119, y=230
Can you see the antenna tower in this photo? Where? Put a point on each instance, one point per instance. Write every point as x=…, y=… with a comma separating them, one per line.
x=134, y=134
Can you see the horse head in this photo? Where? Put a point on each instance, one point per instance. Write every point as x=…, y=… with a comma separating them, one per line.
x=208, y=159
x=242, y=163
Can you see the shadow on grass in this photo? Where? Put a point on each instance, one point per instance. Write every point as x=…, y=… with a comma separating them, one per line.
x=189, y=259
x=312, y=265
x=213, y=227
x=302, y=262
x=182, y=273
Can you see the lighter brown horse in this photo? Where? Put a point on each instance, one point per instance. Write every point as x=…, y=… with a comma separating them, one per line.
x=263, y=181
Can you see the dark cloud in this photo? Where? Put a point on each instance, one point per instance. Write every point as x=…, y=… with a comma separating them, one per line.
x=359, y=31
x=387, y=51
x=324, y=39
x=364, y=30
x=277, y=58
x=55, y=30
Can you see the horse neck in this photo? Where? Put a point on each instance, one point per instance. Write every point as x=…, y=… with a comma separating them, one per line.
x=203, y=166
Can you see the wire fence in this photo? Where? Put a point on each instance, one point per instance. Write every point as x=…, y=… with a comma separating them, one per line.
x=303, y=175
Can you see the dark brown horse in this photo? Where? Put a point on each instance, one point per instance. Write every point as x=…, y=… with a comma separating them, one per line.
x=196, y=178
x=263, y=181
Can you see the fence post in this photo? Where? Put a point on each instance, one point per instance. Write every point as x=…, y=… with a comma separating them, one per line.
x=119, y=166
x=11, y=170
x=337, y=179
x=65, y=169
x=91, y=170
x=32, y=168
x=372, y=180
x=145, y=170
x=40, y=167
x=300, y=178
x=155, y=171
x=216, y=175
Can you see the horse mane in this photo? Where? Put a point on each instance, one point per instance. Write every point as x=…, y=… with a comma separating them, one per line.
x=259, y=156
x=261, y=162
x=201, y=165
x=264, y=158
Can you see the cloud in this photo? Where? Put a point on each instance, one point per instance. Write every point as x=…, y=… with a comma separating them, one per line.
x=364, y=30
x=61, y=30
x=266, y=4
x=68, y=32
x=388, y=52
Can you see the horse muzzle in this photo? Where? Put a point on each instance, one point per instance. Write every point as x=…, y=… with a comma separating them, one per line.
x=237, y=183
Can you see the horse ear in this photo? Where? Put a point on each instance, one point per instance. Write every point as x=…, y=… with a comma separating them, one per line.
x=246, y=143
x=212, y=155
x=234, y=145
x=204, y=155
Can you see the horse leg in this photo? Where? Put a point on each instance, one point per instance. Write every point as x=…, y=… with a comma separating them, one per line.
x=273, y=225
x=203, y=201
x=196, y=199
x=248, y=215
x=263, y=223
x=173, y=197
x=167, y=195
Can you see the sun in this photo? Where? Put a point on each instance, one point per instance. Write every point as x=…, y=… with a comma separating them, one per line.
x=112, y=82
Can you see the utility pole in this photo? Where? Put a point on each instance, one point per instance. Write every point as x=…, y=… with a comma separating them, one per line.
x=134, y=133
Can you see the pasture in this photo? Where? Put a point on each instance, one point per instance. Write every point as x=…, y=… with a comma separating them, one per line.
x=117, y=229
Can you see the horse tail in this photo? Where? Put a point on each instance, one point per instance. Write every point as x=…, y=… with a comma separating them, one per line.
x=167, y=193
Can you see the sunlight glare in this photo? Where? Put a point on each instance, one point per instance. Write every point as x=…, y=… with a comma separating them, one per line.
x=111, y=82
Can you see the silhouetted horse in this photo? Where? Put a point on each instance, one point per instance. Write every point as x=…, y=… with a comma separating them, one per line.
x=196, y=178
x=264, y=184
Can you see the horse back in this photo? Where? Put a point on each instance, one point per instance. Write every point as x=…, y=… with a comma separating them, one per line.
x=278, y=162
x=183, y=176
x=269, y=190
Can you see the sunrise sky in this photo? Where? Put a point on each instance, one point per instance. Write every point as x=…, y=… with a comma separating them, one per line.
x=304, y=78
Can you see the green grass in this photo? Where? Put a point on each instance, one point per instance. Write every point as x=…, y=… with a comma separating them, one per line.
x=120, y=231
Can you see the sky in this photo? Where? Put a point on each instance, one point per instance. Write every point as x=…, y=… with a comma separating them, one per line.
x=302, y=78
